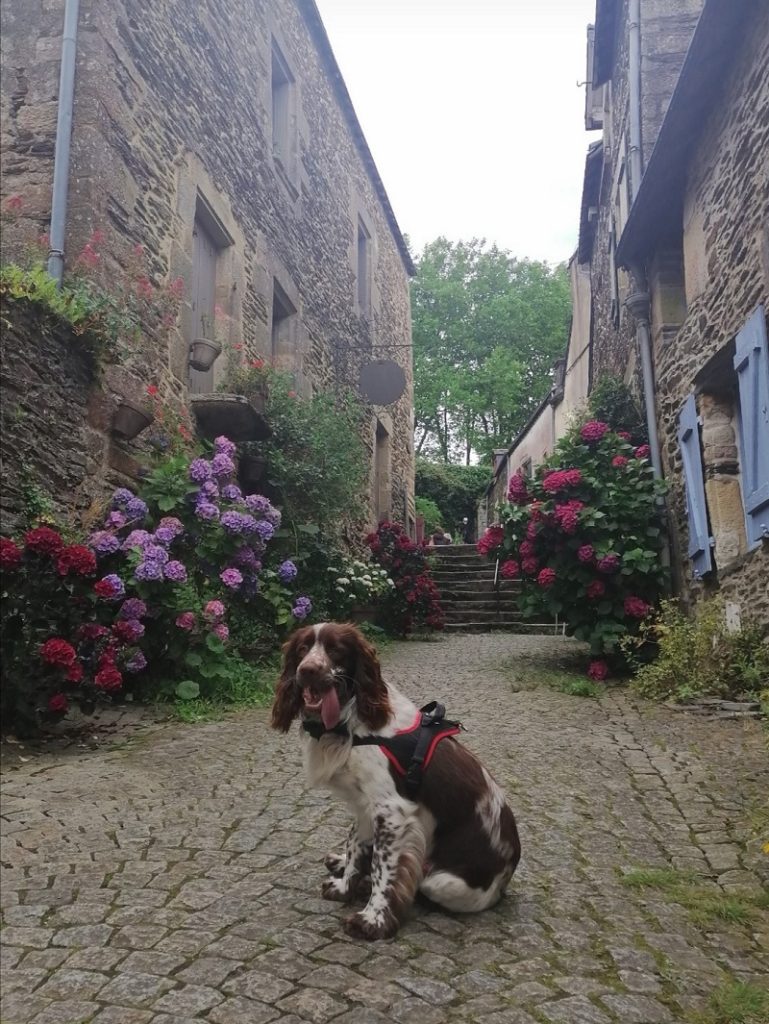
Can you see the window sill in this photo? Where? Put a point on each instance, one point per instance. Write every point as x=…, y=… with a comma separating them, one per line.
x=724, y=572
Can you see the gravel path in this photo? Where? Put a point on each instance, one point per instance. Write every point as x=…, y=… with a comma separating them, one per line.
x=175, y=878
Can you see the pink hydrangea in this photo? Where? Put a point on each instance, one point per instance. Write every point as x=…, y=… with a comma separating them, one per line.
x=560, y=479
x=546, y=578
x=636, y=607
x=491, y=539
x=598, y=670
x=231, y=578
x=593, y=431
x=517, y=491
x=222, y=631
x=526, y=549
x=623, y=434
x=510, y=569
x=586, y=554
x=642, y=451
x=186, y=621
x=532, y=529
x=567, y=516
x=530, y=566
x=608, y=564
x=595, y=590
x=214, y=610
x=620, y=461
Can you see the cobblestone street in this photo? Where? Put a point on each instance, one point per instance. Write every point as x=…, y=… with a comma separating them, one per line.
x=176, y=877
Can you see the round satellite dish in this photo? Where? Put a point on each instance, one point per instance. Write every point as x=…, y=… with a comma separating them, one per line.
x=382, y=382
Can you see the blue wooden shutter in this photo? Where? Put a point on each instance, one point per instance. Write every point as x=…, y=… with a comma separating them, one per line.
x=696, y=509
x=751, y=361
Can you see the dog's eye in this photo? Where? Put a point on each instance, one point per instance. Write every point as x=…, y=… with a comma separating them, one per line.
x=301, y=650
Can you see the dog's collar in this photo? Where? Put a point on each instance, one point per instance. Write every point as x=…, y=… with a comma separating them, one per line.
x=317, y=729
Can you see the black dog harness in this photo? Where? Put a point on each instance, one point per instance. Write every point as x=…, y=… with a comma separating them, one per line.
x=409, y=751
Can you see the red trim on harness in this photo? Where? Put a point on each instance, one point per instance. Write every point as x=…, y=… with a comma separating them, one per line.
x=436, y=739
x=416, y=724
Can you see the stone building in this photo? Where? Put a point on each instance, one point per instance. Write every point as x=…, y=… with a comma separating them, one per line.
x=698, y=236
x=223, y=140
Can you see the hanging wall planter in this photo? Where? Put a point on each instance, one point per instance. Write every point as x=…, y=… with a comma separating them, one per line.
x=204, y=353
x=130, y=419
x=232, y=415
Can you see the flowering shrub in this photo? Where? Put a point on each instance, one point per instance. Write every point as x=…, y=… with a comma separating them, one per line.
x=355, y=584
x=414, y=599
x=585, y=535
x=149, y=590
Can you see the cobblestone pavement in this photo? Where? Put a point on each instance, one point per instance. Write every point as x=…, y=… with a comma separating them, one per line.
x=176, y=878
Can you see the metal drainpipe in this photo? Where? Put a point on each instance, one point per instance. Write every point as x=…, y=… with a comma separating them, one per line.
x=638, y=303
x=634, y=95
x=63, y=141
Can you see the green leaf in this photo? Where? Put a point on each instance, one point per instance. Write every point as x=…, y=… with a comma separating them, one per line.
x=214, y=644
x=166, y=503
x=188, y=689
x=193, y=659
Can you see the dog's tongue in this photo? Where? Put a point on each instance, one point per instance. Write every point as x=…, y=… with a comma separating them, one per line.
x=329, y=709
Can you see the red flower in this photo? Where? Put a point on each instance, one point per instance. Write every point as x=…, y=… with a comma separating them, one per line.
x=257, y=364
x=75, y=673
x=78, y=559
x=43, y=541
x=152, y=389
x=636, y=608
x=546, y=578
x=620, y=461
x=510, y=569
x=598, y=670
x=567, y=516
x=593, y=431
x=14, y=203
x=292, y=394
x=91, y=631
x=58, y=652
x=624, y=435
x=58, y=704
x=108, y=678
x=560, y=479
x=642, y=451
x=517, y=491
x=526, y=549
x=10, y=555
x=586, y=554
x=530, y=566
x=595, y=590
x=531, y=529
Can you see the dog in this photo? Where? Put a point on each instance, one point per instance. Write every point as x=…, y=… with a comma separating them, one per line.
x=443, y=830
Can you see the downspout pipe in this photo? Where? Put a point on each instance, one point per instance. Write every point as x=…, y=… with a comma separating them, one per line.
x=634, y=96
x=638, y=302
x=63, y=141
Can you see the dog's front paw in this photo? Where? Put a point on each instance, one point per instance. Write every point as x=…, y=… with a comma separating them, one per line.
x=333, y=889
x=335, y=864
x=371, y=927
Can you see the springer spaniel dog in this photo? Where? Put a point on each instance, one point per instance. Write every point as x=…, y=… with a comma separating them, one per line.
x=453, y=839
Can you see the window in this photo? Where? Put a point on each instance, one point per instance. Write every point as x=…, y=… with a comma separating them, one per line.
x=364, y=269
x=382, y=489
x=613, y=277
x=283, y=311
x=725, y=451
x=282, y=100
x=593, y=95
x=209, y=239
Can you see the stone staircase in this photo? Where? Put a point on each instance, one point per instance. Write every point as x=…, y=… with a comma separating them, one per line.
x=471, y=601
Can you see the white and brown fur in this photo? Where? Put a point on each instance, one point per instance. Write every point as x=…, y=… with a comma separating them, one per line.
x=456, y=843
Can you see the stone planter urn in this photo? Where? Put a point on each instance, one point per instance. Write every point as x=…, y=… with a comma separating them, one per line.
x=232, y=415
x=204, y=353
x=130, y=419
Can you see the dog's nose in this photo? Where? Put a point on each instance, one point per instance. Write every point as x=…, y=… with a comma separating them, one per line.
x=312, y=671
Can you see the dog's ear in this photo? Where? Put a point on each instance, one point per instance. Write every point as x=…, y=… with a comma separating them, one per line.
x=288, y=699
x=372, y=699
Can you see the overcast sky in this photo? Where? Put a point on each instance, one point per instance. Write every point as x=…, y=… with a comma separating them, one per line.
x=472, y=112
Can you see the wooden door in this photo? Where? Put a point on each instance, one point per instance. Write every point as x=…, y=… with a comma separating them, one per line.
x=204, y=257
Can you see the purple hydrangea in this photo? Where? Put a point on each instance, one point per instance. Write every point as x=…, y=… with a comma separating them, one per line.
x=287, y=572
x=207, y=511
x=258, y=503
x=103, y=542
x=608, y=564
x=232, y=492
x=210, y=489
x=164, y=535
x=175, y=571
x=146, y=571
x=137, y=629
x=273, y=517
x=121, y=497
x=118, y=587
x=200, y=470
x=264, y=529
x=155, y=553
x=136, y=663
x=246, y=558
x=171, y=523
x=237, y=522
x=222, y=466
x=115, y=520
x=231, y=578
x=223, y=446
x=302, y=608
x=136, y=509
x=136, y=539
x=132, y=608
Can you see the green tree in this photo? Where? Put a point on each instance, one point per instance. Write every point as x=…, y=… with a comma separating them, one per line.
x=487, y=329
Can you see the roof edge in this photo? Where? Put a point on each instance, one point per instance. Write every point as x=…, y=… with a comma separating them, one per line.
x=311, y=15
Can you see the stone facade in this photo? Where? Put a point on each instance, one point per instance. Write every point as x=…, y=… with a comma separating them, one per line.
x=233, y=133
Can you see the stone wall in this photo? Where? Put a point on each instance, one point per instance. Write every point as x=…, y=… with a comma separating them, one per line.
x=55, y=440
x=173, y=108
x=726, y=256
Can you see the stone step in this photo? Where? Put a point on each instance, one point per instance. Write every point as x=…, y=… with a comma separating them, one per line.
x=463, y=574
x=450, y=587
x=485, y=626
x=455, y=551
x=479, y=606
